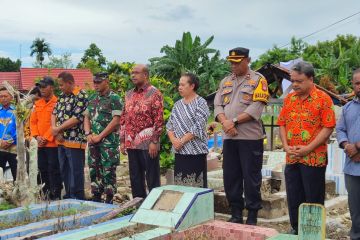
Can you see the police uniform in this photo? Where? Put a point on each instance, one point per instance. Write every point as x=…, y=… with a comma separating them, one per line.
x=243, y=153
x=104, y=156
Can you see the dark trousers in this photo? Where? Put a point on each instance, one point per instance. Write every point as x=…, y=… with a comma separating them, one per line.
x=11, y=159
x=242, y=173
x=49, y=171
x=352, y=184
x=72, y=171
x=304, y=184
x=142, y=166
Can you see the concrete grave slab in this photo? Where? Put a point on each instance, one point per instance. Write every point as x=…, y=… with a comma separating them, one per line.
x=93, y=211
x=176, y=207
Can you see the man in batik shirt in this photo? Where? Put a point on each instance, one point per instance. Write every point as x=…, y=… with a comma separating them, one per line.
x=141, y=126
x=306, y=122
x=67, y=127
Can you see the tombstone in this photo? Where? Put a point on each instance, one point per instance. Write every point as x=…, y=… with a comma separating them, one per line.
x=312, y=221
x=176, y=207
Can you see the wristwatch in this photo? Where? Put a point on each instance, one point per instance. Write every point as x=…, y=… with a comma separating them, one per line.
x=87, y=133
x=235, y=120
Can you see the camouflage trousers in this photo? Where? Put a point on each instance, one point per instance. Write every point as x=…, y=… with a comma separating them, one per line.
x=102, y=165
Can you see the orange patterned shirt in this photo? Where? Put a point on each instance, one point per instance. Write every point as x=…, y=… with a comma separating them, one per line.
x=303, y=120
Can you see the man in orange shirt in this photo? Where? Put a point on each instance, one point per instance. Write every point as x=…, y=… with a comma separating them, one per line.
x=40, y=127
x=306, y=122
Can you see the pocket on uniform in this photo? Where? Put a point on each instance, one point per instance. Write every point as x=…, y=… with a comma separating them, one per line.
x=246, y=95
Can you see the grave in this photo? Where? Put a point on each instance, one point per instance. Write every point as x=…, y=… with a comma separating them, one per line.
x=312, y=222
x=171, y=212
x=176, y=207
x=92, y=211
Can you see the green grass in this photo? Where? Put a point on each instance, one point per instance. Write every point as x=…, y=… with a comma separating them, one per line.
x=6, y=206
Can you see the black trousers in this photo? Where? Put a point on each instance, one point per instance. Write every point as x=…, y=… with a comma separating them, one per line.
x=11, y=159
x=242, y=173
x=304, y=184
x=142, y=166
x=71, y=162
x=49, y=171
x=352, y=184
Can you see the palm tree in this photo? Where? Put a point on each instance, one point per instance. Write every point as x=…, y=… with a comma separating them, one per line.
x=40, y=47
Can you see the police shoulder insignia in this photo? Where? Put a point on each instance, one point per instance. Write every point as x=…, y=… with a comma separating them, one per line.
x=251, y=82
x=228, y=84
x=226, y=99
x=261, y=93
x=226, y=91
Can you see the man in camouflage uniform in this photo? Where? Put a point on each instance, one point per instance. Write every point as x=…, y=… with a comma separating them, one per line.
x=239, y=103
x=102, y=119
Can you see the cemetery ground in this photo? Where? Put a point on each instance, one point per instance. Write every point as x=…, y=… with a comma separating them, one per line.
x=338, y=220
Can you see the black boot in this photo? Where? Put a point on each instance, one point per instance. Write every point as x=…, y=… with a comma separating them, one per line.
x=109, y=199
x=252, y=217
x=96, y=198
x=236, y=216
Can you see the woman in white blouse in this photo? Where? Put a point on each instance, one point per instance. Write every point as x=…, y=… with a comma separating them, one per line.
x=186, y=129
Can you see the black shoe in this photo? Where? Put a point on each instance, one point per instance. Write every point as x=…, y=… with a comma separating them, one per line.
x=109, y=199
x=252, y=217
x=292, y=232
x=96, y=198
x=66, y=197
x=237, y=219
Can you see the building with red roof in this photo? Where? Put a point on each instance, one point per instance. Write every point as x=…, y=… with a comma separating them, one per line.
x=26, y=78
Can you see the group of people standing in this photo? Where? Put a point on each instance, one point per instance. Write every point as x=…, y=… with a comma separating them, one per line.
x=306, y=122
x=63, y=126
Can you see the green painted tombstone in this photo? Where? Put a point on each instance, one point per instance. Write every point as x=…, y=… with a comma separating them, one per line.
x=311, y=221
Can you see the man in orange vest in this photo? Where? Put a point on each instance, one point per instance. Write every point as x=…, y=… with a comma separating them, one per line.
x=40, y=127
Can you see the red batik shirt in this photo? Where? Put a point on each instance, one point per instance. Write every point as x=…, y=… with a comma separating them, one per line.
x=142, y=118
x=303, y=120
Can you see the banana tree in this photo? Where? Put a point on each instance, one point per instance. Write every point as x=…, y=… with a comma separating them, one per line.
x=26, y=190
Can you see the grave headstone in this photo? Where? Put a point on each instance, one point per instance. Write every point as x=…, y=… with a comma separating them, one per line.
x=176, y=207
x=311, y=221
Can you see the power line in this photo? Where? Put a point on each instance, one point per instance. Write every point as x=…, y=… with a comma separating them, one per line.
x=324, y=28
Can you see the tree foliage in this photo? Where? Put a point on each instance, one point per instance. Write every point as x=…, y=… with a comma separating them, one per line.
x=64, y=61
x=94, y=58
x=334, y=60
x=190, y=55
x=39, y=47
x=7, y=65
x=277, y=55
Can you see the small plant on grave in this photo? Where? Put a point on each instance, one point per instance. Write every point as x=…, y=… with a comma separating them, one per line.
x=127, y=212
x=6, y=206
x=26, y=213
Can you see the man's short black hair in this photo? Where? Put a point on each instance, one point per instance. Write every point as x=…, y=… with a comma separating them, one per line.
x=66, y=77
x=192, y=79
x=303, y=67
x=356, y=71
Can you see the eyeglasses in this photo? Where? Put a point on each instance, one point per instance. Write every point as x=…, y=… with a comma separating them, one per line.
x=97, y=81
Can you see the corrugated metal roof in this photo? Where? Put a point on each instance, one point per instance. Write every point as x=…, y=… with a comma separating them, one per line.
x=11, y=77
x=30, y=75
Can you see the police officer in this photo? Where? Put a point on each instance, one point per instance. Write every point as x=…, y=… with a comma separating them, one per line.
x=239, y=103
x=101, y=125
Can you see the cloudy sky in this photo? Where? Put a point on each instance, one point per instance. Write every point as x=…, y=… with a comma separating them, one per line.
x=136, y=30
